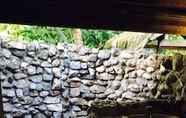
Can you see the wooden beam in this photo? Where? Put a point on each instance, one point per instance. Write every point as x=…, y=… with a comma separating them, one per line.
x=161, y=16
x=169, y=45
x=1, y=103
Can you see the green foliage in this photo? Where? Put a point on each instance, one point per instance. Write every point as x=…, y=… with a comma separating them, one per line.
x=91, y=38
x=96, y=38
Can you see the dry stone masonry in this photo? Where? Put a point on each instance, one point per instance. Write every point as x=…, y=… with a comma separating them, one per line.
x=47, y=81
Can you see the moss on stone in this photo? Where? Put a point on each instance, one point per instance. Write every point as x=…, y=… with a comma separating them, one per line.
x=177, y=62
x=171, y=78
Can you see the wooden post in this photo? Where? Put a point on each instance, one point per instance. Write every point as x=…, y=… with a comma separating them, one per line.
x=1, y=103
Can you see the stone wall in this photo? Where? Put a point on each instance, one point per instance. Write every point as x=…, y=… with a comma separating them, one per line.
x=47, y=81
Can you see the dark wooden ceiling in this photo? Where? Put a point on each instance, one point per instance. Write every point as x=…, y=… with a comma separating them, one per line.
x=165, y=16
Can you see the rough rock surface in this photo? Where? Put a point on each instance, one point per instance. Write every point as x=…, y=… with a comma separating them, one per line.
x=62, y=81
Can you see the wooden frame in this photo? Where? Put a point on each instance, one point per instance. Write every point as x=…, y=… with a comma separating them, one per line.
x=167, y=16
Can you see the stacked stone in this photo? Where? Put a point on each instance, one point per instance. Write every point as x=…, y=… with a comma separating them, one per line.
x=40, y=80
x=27, y=74
x=81, y=75
x=109, y=75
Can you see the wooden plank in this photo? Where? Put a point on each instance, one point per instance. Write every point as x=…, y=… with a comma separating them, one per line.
x=161, y=16
x=1, y=103
x=169, y=44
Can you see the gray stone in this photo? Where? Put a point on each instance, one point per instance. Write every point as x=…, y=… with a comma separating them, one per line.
x=112, y=96
x=75, y=65
x=141, y=81
x=3, y=63
x=28, y=116
x=74, y=73
x=101, y=96
x=124, y=84
x=39, y=115
x=26, y=91
x=118, y=92
x=97, y=89
x=17, y=45
x=82, y=113
x=20, y=75
x=101, y=82
x=84, y=65
x=44, y=93
x=52, y=51
x=131, y=63
x=84, y=51
x=150, y=69
x=147, y=76
x=128, y=95
x=36, y=78
x=152, y=85
x=8, y=92
x=84, y=72
x=6, y=53
x=52, y=100
x=57, y=115
x=74, y=56
x=74, y=92
x=39, y=70
x=31, y=53
x=14, y=63
x=6, y=84
x=92, y=58
x=104, y=54
x=48, y=70
x=8, y=115
x=22, y=83
x=35, y=86
x=56, y=85
x=112, y=62
x=105, y=76
x=27, y=59
x=115, y=84
x=55, y=107
x=56, y=72
x=134, y=88
x=76, y=108
x=26, y=100
x=126, y=55
x=119, y=77
x=110, y=70
x=91, y=64
x=43, y=54
x=100, y=69
x=31, y=70
x=46, y=64
x=37, y=101
x=24, y=65
x=7, y=107
x=84, y=89
x=115, y=52
x=19, y=92
x=140, y=73
x=118, y=69
x=60, y=46
x=45, y=85
x=109, y=91
x=42, y=107
x=19, y=53
x=47, y=77
x=88, y=82
x=92, y=73
x=132, y=74
x=56, y=62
